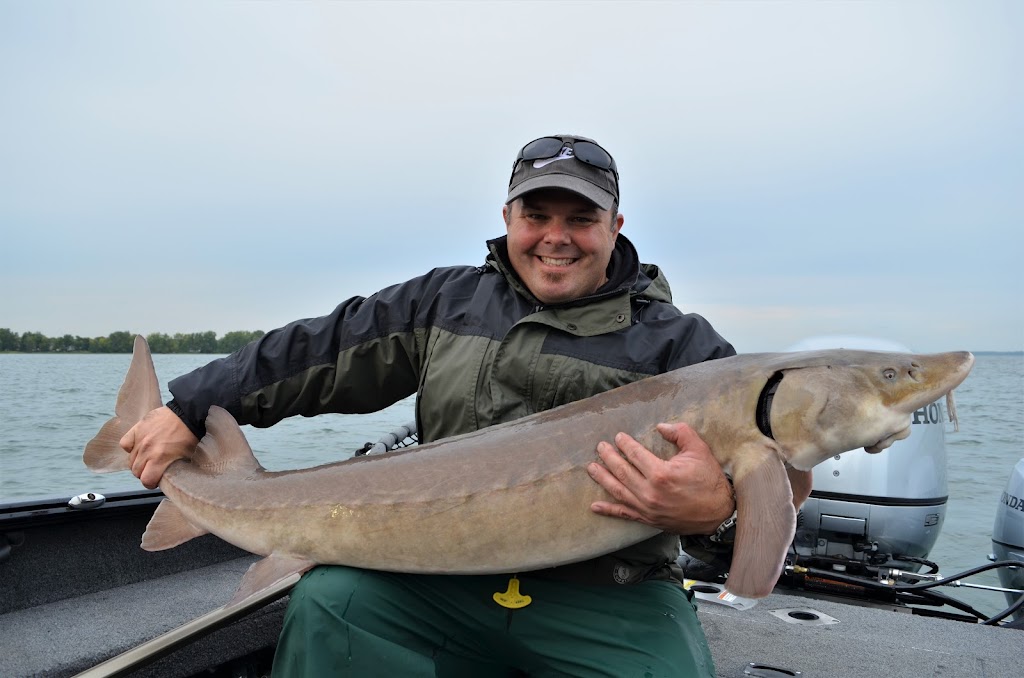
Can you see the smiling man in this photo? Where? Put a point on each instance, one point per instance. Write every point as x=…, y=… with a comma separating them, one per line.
x=560, y=243
x=562, y=309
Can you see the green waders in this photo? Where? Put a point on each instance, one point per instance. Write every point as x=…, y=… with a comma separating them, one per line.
x=348, y=622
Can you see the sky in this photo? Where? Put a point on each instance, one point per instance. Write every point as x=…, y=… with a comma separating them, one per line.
x=796, y=169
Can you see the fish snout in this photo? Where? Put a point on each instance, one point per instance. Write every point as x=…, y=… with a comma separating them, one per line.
x=954, y=368
x=914, y=371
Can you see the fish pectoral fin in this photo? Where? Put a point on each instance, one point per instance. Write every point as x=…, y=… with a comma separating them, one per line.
x=168, y=528
x=800, y=483
x=765, y=523
x=273, y=572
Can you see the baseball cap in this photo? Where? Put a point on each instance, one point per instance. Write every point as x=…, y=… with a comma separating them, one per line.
x=566, y=161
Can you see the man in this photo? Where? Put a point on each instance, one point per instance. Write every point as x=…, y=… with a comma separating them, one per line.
x=561, y=310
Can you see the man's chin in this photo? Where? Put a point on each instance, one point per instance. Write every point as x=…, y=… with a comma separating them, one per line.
x=548, y=294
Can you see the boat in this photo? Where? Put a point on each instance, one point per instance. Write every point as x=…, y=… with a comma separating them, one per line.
x=858, y=595
x=78, y=591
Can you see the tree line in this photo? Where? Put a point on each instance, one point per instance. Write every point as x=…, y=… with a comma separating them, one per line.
x=122, y=342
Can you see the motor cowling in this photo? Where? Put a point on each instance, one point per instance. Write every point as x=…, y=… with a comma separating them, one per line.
x=1008, y=534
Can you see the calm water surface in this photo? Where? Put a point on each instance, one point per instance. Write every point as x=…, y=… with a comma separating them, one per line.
x=51, y=405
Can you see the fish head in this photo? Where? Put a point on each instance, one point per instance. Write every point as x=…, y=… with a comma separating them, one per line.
x=831, y=402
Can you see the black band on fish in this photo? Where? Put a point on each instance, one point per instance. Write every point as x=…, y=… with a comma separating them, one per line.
x=764, y=405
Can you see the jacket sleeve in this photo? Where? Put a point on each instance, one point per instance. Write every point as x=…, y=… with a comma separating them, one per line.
x=362, y=357
x=701, y=342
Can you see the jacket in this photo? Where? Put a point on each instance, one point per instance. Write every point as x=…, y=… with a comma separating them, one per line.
x=477, y=349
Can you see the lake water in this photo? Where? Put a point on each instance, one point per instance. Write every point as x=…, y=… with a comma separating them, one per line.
x=51, y=405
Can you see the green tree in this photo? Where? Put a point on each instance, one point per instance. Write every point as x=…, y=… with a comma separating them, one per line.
x=121, y=342
x=207, y=342
x=65, y=344
x=9, y=341
x=197, y=342
x=183, y=342
x=161, y=343
x=34, y=342
x=232, y=341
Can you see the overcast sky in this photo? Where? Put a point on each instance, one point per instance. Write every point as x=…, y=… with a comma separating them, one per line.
x=795, y=168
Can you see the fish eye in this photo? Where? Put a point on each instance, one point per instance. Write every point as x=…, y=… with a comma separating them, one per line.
x=889, y=373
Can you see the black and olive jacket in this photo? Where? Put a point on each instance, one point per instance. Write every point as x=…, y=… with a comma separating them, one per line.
x=477, y=349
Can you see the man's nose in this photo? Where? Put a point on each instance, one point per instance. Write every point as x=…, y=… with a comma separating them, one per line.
x=557, y=231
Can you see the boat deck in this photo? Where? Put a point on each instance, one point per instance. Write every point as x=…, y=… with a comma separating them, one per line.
x=76, y=589
x=65, y=637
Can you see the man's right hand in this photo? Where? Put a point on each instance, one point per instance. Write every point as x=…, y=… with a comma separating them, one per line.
x=153, y=444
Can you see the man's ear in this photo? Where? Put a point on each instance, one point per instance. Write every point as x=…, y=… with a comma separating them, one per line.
x=619, y=220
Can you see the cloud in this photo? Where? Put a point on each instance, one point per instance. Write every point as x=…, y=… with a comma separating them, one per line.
x=794, y=168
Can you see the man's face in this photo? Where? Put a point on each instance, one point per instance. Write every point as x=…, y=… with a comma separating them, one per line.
x=560, y=243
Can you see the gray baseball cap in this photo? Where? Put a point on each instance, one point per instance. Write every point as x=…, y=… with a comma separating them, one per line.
x=569, y=162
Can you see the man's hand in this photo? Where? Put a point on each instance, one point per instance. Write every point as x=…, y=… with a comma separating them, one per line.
x=686, y=494
x=154, y=443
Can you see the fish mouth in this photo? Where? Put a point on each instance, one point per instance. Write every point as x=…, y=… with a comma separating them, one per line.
x=888, y=441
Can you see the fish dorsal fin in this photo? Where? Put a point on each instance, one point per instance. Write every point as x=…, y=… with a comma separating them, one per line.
x=765, y=522
x=224, y=447
x=269, y=572
x=168, y=528
x=138, y=396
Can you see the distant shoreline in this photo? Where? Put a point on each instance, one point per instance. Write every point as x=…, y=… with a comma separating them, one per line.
x=123, y=342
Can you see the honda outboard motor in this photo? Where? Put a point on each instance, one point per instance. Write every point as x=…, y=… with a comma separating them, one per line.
x=875, y=509
x=1008, y=534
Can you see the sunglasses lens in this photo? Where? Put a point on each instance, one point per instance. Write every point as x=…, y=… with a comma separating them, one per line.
x=547, y=147
x=592, y=154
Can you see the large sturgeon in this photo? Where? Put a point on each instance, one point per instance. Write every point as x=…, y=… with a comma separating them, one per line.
x=516, y=497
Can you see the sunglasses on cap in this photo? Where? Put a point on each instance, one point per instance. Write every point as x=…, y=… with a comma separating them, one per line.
x=584, y=151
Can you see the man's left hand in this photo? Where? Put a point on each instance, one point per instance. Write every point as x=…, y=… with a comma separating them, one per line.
x=686, y=494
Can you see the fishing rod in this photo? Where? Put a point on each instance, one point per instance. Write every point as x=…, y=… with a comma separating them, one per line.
x=888, y=580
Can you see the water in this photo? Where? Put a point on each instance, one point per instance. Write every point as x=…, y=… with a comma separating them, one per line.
x=51, y=405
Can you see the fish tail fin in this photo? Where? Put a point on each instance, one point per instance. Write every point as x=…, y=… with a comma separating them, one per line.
x=139, y=394
x=765, y=523
x=224, y=447
x=168, y=528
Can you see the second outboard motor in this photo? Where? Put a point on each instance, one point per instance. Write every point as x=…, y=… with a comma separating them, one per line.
x=1008, y=534
x=874, y=509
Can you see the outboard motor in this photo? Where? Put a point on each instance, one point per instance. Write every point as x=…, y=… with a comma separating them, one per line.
x=1008, y=534
x=876, y=509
